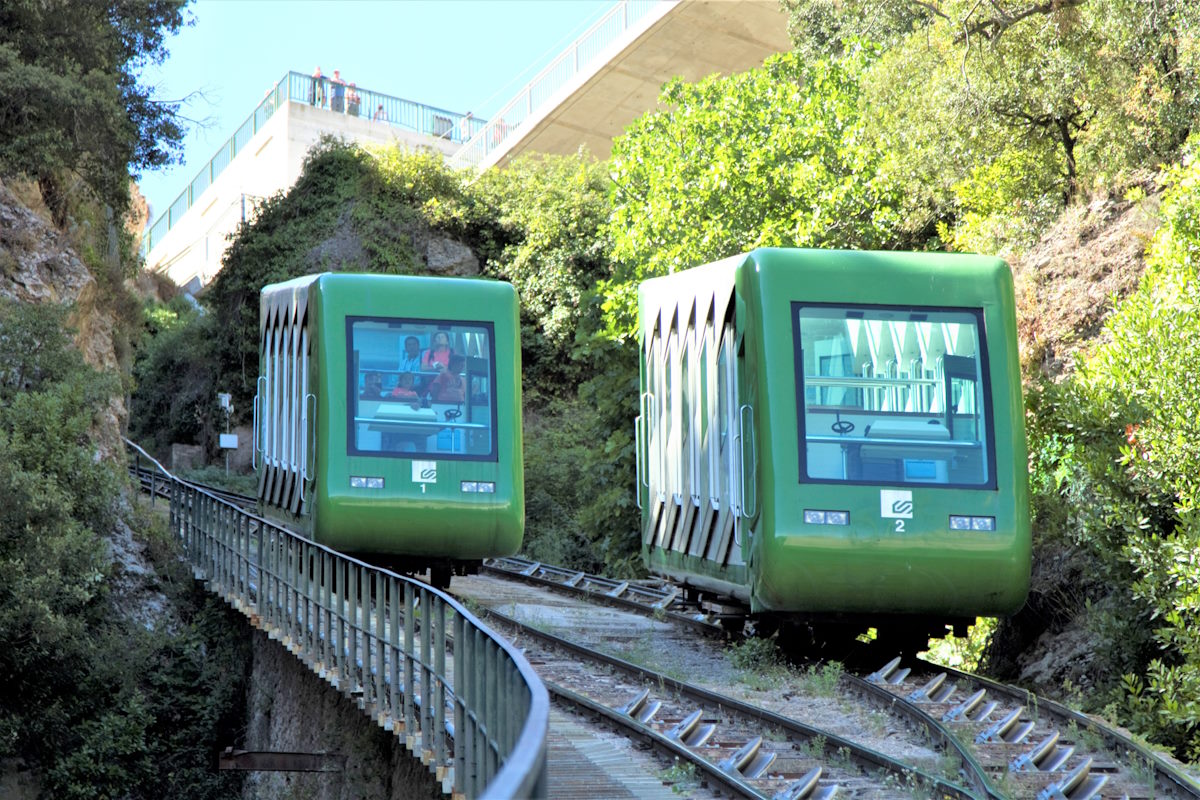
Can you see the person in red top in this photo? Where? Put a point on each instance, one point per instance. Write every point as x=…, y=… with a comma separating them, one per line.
x=404, y=388
x=449, y=386
x=437, y=357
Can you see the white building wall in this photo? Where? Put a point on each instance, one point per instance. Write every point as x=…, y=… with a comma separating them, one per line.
x=190, y=252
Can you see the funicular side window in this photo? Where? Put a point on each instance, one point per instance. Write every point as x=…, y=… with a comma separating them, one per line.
x=892, y=395
x=421, y=388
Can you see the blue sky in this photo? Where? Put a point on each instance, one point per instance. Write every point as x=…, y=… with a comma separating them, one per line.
x=461, y=55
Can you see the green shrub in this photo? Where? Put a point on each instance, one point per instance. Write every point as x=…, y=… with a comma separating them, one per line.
x=96, y=703
x=1116, y=474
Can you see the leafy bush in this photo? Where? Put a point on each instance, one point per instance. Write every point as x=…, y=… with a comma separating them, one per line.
x=774, y=156
x=175, y=378
x=1116, y=476
x=98, y=705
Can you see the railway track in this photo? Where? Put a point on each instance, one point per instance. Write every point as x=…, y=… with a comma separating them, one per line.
x=1007, y=742
x=736, y=747
x=993, y=740
x=151, y=483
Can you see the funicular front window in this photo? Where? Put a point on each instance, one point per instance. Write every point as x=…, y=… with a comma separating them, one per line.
x=893, y=395
x=421, y=388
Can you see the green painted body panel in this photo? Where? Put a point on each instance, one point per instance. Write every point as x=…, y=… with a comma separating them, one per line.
x=869, y=567
x=409, y=518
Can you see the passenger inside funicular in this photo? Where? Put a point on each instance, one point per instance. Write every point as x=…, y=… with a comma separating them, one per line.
x=372, y=387
x=423, y=387
x=892, y=395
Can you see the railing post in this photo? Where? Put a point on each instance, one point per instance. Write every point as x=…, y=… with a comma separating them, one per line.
x=479, y=775
x=380, y=607
x=439, y=696
x=352, y=606
x=410, y=722
x=461, y=739
x=426, y=676
x=394, y=651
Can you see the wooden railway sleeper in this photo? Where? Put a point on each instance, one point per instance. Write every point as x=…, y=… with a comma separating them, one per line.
x=749, y=759
x=936, y=691
x=689, y=731
x=973, y=709
x=808, y=788
x=1047, y=756
x=1080, y=784
x=890, y=673
x=1009, y=729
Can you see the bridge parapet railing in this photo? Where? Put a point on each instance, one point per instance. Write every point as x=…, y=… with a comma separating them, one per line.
x=461, y=698
x=323, y=93
x=580, y=56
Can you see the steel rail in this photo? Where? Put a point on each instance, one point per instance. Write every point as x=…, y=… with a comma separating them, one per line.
x=714, y=773
x=655, y=602
x=863, y=756
x=1171, y=776
x=151, y=484
x=975, y=773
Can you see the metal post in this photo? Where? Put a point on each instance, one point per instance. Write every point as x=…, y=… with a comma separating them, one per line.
x=380, y=607
x=460, y=722
x=352, y=623
x=439, y=696
x=394, y=651
x=410, y=721
x=426, y=675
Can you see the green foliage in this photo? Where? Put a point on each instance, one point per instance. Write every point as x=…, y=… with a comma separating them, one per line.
x=70, y=97
x=309, y=229
x=1148, y=372
x=770, y=157
x=175, y=374
x=1037, y=107
x=1005, y=204
x=551, y=213
x=98, y=705
x=1114, y=473
x=759, y=653
x=963, y=652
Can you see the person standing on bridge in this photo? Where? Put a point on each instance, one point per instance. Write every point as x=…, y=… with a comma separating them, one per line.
x=316, y=95
x=337, y=97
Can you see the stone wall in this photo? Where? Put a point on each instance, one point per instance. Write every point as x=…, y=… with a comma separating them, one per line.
x=292, y=710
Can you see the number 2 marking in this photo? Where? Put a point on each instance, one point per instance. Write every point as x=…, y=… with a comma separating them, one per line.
x=899, y=526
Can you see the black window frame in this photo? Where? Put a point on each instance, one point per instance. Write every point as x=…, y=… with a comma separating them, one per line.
x=986, y=390
x=434, y=324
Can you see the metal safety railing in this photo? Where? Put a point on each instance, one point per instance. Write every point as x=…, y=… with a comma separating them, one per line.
x=378, y=107
x=461, y=698
x=580, y=56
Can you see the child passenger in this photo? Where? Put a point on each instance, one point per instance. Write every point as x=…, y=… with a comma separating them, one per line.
x=404, y=390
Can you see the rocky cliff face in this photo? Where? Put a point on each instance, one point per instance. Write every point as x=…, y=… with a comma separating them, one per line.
x=40, y=264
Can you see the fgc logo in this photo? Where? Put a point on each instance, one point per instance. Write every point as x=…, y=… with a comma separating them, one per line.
x=895, y=504
x=424, y=472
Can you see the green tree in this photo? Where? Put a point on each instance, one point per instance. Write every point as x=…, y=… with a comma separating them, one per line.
x=551, y=212
x=70, y=98
x=1110, y=84
x=774, y=156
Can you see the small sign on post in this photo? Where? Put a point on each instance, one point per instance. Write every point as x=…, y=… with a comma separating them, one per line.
x=229, y=441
